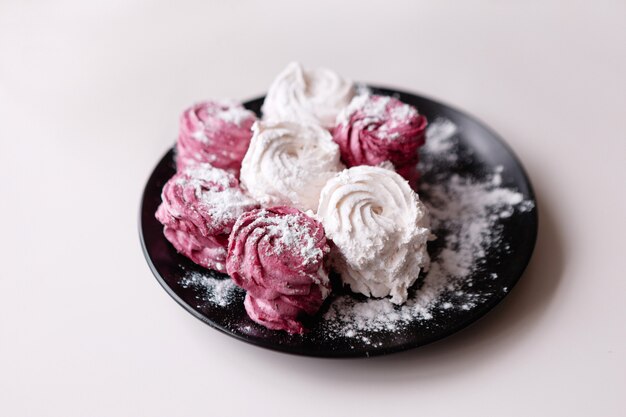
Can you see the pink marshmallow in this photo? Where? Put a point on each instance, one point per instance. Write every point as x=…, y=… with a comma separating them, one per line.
x=277, y=255
x=376, y=129
x=199, y=208
x=217, y=132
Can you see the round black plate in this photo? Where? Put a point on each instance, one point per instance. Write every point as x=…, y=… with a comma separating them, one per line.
x=483, y=151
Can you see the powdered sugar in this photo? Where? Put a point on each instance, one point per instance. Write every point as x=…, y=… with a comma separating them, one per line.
x=235, y=114
x=402, y=113
x=218, y=192
x=374, y=110
x=217, y=291
x=199, y=135
x=200, y=174
x=226, y=205
x=290, y=233
x=438, y=134
x=210, y=114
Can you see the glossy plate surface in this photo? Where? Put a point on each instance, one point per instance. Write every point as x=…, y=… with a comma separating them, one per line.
x=479, y=151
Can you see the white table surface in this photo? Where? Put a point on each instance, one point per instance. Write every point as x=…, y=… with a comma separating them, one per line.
x=89, y=100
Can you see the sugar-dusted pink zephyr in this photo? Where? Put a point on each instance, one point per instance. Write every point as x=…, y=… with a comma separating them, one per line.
x=217, y=132
x=277, y=256
x=374, y=129
x=200, y=205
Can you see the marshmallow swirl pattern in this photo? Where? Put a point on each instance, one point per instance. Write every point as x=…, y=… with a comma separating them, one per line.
x=307, y=95
x=379, y=229
x=288, y=164
x=374, y=129
x=217, y=132
x=277, y=256
x=200, y=205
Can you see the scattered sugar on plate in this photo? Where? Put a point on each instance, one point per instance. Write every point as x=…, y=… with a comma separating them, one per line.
x=438, y=136
x=217, y=291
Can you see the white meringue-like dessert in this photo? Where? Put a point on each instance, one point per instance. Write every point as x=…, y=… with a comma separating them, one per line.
x=288, y=163
x=379, y=228
x=303, y=95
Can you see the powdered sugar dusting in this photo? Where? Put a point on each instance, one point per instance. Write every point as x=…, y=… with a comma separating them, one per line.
x=218, y=192
x=214, y=112
x=227, y=205
x=361, y=89
x=235, y=114
x=382, y=113
x=374, y=109
x=200, y=174
x=438, y=135
x=217, y=291
x=402, y=113
x=291, y=232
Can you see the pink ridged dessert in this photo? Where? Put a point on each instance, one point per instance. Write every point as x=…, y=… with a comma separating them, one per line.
x=217, y=132
x=374, y=129
x=277, y=256
x=200, y=205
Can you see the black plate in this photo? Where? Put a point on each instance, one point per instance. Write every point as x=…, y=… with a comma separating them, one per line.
x=482, y=151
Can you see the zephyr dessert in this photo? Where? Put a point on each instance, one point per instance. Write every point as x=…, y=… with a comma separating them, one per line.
x=379, y=228
x=277, y=255
x=215, y=131
x=324, y=181
x=200, y=205
x=289, y=163
x=375, y=129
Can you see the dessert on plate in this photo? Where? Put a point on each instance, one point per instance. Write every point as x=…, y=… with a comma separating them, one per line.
x=374, y=129
x=200, y=205
x=215, y=131
x=315, y=95
x=272, y=203
x=379, y=229
x=277, y=255
x=289, y=163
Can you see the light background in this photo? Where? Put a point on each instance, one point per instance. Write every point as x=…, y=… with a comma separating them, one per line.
x=90, y=94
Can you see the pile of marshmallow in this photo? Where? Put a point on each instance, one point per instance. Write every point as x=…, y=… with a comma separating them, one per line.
x=325, y=180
